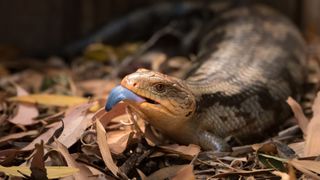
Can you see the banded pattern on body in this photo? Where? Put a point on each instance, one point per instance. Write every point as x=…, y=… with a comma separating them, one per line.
x=250, y=60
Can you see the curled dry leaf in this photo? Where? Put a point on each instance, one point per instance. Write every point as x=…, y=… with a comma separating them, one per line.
x=118, y=140
x=105, y=117
x=84, y=173
x=131, y=126
x=312, y=147
x=298, y=114
x=105, y=150
x=25, y=112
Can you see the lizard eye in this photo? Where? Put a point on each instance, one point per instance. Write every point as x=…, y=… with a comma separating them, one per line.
x=160, y=88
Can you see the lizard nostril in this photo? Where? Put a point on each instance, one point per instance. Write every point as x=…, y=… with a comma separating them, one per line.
x=135, y=84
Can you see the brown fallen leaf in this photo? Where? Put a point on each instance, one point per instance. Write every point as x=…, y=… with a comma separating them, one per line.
x=298, y=114
x=43, y=137
x=105, y=150
x=75, y=123
x=18, y=135
x=312, y=146
x=8, y=155
x=167, y=172
x=106, y=117
x=131, y=126
x=25, y=112
x=308, y=167
x=186, y=173
x=38, y=170
x=84, y=173
x=70, y=135
x=298, y=148
x=118, y=140
x=189, y=151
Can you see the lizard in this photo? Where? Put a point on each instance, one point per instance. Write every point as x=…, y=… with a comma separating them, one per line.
x=250, y=59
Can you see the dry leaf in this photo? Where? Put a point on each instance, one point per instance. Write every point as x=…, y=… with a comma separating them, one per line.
x=43, y=137
x=84, y=173
x=71, y=132
x=53, y=172
x=310, y=168
x=50, y=99
x=167, y=172
x=312, y=147
x=298, y=148
x=186, y=173
x=25, y=112
x=189, y=151
x=298, y=114
x=18, y=135
x=38, y=170
x=105, y=117
x=75, y=123
x=284, y=176
x=105, y=150
x=118, y=140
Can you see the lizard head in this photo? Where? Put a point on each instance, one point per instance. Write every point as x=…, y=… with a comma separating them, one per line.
x=167, y=100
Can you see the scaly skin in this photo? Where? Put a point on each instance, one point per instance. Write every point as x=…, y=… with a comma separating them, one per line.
x=250, y=61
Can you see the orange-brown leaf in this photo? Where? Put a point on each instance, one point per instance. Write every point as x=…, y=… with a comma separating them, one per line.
x=298, y=114
x=105, y=150
x=312, y=147
x=186, y=173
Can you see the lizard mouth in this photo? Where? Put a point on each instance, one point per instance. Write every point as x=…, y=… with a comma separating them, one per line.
x=148, y=100
x=121, y=93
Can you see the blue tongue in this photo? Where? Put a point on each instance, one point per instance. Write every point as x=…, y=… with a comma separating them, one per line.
x=120, y=93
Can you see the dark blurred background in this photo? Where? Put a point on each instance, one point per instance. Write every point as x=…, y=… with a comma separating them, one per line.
x=37, y=26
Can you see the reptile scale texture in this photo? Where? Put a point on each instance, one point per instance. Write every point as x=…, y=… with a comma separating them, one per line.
x=250, y=60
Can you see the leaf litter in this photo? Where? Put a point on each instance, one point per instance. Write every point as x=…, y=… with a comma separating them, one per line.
x=56, y=126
